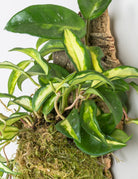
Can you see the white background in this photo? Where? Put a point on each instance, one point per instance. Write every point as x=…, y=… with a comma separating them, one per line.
x=124, y=18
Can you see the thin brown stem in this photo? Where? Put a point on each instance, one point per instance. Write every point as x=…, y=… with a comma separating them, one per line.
x=5, y=154
x=73, y=104
x=56, y=106
x=6, y=106
x=125, y=115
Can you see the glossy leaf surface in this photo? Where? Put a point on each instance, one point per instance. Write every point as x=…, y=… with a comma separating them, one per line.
x=120, y=136
x=89, y=122
x=49, y=104
x=10, y=65
x=70, y=126
x=24, y=102
x=15, y=75
x=93, y=146
x=35, y=70
x=47, y=21
x=96, y=55
x=84, y=76
x=112, y=101
x=40, y=41
x=106, y=123
x=35, y=55
x=121, y=72
x=51, y=46
x=41, y=95
x=93, y=8
x=66, y=80
x=76, y=51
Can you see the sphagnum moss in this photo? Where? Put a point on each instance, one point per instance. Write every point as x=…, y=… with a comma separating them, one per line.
x=45, y=153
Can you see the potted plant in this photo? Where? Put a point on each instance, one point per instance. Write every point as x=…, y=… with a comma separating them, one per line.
x=71, y=118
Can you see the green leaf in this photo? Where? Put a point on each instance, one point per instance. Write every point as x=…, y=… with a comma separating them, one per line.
x=96, y=55
x=10, y=65
x=8, y=132
x=51, y=46
x=134, y=85
x=65, y=81
x=121, y=85
x=49, y=105
x=58, y=71
x=70, y=126
x=84, y=76
x=91, y=9
x=123, y=96
x=35, y=55
x=3, y=119
x=120, y=136
x=40, y=41
x=47, y=21
x=132, y=121
x=35, y=70
x=1, y=174
x=24, y=102
x=41, y=95
x=77, y=52
x=121, y=72
x=6, y=95
x=15, y=117
x=2, y=159
x=5, y=169
x=111, y=99
x=95, y=147
x=15, y=75
x=89, y=122
x=106, y=123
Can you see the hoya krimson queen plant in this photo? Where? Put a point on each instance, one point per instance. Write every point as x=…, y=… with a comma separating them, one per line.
x=68, y=102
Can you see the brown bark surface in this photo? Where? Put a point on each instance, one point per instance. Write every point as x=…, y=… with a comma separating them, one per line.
x=100, y=35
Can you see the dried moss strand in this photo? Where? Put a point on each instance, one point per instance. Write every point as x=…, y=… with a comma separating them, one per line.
x=46, y=153
x=8, y=109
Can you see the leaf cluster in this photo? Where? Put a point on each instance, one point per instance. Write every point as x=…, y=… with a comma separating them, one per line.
x=75, y=98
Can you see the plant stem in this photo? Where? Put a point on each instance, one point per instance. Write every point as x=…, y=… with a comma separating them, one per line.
x=26, y=74
x=52, y=86
x=125, y=115
x=73, y=104
x=6, y=106
x=56, y=106
x=65, y=96
x=87, y=32
x=27, y=121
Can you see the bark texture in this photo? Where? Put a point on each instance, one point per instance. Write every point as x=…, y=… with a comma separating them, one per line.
x=100, y=35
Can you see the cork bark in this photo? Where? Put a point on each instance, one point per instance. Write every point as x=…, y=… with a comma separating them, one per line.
x=99, y=35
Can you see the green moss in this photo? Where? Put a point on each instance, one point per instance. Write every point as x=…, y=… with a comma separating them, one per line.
x=44, y=153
